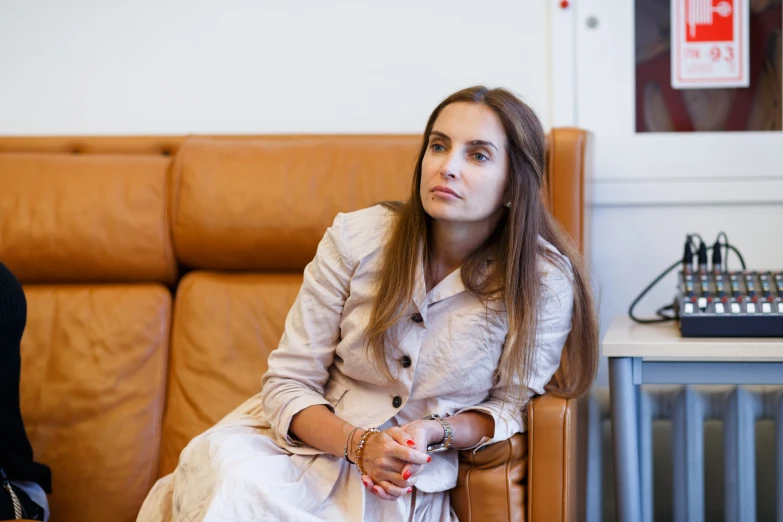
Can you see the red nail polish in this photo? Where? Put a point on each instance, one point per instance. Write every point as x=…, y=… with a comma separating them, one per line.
x=375, y=490
x=411, y=443
x=410, y=489
x=429, y=459
x=364, y=482
x=407, y=474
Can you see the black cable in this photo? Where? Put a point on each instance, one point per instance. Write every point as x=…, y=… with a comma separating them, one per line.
x=662, y=318
x=726, y=244
x=690, y=238
x=659, y=312
x=644, y=292
x=742, y=261
x=729, y=246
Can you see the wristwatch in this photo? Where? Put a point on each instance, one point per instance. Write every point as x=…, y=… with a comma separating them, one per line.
x=447, y=431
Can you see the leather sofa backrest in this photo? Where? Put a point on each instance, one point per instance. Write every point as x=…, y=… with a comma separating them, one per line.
x=264, y=203
x=75, y=219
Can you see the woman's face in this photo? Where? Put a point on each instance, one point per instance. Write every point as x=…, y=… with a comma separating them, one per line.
x=464, y=172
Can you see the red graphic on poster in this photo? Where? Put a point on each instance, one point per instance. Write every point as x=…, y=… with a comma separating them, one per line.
x=709, y=20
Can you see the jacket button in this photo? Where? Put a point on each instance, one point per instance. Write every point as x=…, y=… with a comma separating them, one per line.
x=397, y=401
x=416, y=318
x=405, y=361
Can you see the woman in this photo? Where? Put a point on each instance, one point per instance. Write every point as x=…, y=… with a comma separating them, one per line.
x=23, y=482
x=433, y=321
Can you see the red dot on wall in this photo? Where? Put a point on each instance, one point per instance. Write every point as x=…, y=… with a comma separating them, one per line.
x=564, y=4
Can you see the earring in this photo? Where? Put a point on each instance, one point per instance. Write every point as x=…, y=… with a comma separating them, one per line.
x=508, y=204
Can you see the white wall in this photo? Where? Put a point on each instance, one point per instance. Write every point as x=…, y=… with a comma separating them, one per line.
x=258, y=66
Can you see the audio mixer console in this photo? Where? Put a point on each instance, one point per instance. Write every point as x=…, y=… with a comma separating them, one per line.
x=730, y=304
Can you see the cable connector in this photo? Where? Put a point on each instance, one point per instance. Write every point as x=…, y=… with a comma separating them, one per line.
x=717, y=258
x=687, y=258
x=702, y=257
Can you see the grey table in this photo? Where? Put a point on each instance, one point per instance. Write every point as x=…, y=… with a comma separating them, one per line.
x=657, y=354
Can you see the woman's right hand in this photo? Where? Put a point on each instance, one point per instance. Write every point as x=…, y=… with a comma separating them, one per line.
x=384, y=457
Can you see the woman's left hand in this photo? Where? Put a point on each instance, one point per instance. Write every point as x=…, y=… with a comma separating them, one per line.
x=423, y=433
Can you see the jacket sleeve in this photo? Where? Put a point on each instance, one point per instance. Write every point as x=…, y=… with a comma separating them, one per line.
x=554, y=325
x=298, y=368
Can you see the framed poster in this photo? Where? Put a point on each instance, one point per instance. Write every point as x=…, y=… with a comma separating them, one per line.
x=705, y=42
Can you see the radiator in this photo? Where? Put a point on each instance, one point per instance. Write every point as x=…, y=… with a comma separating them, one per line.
x=738, y=408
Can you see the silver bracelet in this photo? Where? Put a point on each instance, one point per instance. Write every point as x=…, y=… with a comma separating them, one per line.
x=448, y=433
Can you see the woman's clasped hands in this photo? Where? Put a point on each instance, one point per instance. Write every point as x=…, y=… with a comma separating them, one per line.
x=393, y=458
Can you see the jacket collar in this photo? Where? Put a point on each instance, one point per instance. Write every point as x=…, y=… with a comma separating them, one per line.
x=451, y=285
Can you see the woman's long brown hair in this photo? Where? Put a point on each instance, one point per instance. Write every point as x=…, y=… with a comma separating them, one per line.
x=514, y=246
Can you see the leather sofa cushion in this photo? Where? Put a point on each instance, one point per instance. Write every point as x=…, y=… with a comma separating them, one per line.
x=492, y=483
x=92, y=392
x=96, y=218
x=263, y=204
x=225, y=326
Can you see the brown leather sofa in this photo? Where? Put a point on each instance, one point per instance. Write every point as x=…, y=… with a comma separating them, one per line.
x=158, y=273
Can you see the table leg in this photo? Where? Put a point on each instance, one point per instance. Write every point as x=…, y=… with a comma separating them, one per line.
x=625, y=439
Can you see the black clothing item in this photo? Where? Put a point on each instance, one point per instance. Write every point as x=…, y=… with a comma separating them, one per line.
x=16, y=454
x=30, y=510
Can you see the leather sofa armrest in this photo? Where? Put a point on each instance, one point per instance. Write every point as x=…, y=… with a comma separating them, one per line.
x=557, y=459
x=491, y=484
